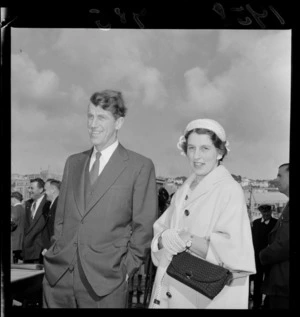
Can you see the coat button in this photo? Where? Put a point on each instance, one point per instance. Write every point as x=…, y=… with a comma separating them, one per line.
x=186, y=212
x=169, y=294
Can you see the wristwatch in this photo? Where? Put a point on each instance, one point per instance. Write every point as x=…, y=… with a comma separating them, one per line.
x=188, y=244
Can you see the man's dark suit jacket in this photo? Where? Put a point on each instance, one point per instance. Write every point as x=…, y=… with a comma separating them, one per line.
x=109, y=225
x=260, y=232
x=33, y=242
x=277, y=255
x=49, y=231
x=18, y=217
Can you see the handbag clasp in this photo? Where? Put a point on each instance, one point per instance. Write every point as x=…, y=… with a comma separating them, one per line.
x=188, y=275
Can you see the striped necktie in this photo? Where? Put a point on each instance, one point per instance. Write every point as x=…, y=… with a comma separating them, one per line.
x=33, y=209
x=94, y=173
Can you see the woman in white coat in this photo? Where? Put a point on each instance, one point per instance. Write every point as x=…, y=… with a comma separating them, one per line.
x=208, y=214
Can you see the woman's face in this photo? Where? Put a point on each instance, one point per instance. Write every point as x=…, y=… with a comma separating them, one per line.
x=202, y=154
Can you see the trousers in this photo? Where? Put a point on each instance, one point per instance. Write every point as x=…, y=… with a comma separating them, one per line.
x=74, y=291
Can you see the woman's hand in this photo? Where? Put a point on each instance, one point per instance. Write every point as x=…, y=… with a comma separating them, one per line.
x=185, y=235
x=172, y=242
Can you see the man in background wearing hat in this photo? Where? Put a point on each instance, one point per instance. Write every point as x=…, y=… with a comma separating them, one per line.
x=17, y=225
x=260, y=231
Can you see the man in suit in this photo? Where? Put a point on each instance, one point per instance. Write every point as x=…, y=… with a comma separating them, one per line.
x=17, y=225
x=36, y=210
x=52, y=187
x=106, y=209
x=260, y=230
x=277, y=253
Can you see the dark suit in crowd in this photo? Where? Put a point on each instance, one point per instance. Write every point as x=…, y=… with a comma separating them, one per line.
x=33, y=243
x=277, y=254
x=49, y=230
x=17, y=226
x=260, y=230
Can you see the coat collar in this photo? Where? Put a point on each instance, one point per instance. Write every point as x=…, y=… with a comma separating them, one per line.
x=219, y=174
x=285, y=216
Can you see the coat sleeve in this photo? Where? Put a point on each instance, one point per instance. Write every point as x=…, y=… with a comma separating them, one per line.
x=59, y=215
x=144, y=213
x=278, y=250
x=15, y=218
x=231, y=238
x=160, y=225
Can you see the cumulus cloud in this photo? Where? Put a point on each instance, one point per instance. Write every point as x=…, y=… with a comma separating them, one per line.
x=41, y=141
x=202, y=93
x=239, y=78
x=254, y=88
x=78, y=95
x=29, y=81
x=116, y=58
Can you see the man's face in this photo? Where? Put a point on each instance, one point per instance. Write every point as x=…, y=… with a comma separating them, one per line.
x=49, y=191
x=282, y=180
x=102, y=126
x=34, y=191
x=266, y=214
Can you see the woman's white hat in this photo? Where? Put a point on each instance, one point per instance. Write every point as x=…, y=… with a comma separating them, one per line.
x=208, y=124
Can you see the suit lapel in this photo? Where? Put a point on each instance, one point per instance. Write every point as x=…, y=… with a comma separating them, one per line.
x=78, y=172
x=53, y=207
x=38, y=214
x=110, y=173
x=285, y=210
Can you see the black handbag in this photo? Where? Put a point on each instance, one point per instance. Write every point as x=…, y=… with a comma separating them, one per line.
x=204, y=277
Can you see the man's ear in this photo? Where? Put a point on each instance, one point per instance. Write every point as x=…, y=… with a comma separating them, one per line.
x=119, y=123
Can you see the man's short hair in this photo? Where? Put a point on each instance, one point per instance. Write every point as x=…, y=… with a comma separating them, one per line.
x=110, y=100
x=54, y=182
x=17, y=195
x=286, y=165
x=265, y=207
x=39, y=181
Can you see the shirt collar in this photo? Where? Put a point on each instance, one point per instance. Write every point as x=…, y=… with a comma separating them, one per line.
x=53, y=201
x=266, y=222
x=107, y=152
x=39, y=199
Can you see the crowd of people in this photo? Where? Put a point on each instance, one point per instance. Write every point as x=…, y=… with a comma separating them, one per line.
x=93, y=231
x=32, y=221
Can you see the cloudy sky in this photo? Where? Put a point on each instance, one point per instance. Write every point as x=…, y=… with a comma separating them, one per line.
x=241, y=78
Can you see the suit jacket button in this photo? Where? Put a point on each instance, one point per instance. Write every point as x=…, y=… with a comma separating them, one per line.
x=82, y=221
x=169, y=294
x=186, y=212
x=71, y=268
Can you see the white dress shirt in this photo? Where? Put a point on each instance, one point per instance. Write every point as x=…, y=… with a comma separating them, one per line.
x=38, y=201
x=105, y=156
x=266, y=222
